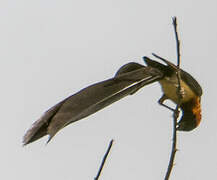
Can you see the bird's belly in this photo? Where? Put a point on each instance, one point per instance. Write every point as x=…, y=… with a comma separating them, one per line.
x=169, y=87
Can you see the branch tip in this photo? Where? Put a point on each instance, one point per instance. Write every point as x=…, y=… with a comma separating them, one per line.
x=104, y=160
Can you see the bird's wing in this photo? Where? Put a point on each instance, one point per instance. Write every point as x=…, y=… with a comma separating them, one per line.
x=89, y=100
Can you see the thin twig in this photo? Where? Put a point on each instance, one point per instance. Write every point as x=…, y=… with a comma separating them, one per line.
x=103, y=160
x=176, y=112
x=177, y=42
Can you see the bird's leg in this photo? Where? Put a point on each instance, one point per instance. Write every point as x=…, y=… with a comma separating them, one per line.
x=161, y=102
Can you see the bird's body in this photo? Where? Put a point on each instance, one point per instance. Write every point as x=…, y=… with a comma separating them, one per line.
x=191, y=93
x=190, y=102
x=127, y=81
x=169, y=87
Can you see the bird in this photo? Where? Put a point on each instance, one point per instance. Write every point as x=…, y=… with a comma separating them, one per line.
x=130, y=78
x=191, y=93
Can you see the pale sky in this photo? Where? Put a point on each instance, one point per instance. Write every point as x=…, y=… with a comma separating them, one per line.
x=52, y=49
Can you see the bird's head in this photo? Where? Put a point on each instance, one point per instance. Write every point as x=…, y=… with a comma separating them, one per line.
x=191, y=115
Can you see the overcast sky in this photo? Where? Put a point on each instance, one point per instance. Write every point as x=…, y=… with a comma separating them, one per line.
x=50, y=49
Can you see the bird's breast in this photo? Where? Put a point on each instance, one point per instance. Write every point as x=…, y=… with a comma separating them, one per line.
x=169, y=87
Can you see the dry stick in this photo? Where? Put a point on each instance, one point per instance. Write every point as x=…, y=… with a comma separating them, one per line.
x=176, y=112
x=103, y=160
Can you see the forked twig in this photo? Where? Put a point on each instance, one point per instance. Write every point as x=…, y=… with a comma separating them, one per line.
x=176, y=112
x=104, y=159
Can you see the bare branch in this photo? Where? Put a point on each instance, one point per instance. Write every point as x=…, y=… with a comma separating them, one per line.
x=176, y=112
x=103, y=160
x=177, y=41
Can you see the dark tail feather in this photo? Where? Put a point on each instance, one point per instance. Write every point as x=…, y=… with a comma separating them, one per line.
x=39, y=128
x=154, y=64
